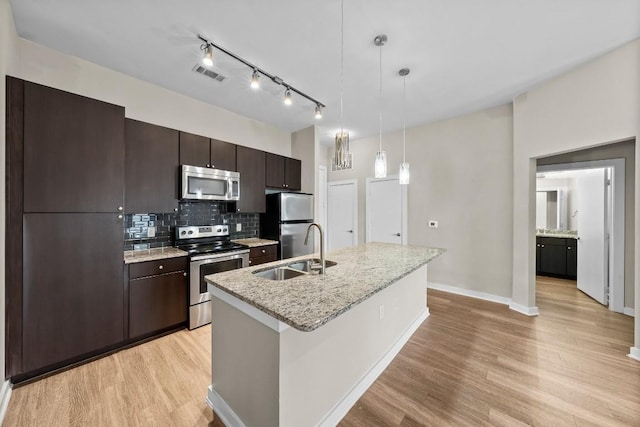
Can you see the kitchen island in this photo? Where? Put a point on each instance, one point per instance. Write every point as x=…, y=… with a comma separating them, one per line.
x=301, y=351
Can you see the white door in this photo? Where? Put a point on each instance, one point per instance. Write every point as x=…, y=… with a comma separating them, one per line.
x=385, y=210
x=592, y=233
x=342, y=216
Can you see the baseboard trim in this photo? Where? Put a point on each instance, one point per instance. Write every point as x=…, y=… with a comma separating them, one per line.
x=343, y=406
x=527, y=311
x=629, y=311
x=222, y=409
x=469, y=293
x=5, y=396
x=634, y=353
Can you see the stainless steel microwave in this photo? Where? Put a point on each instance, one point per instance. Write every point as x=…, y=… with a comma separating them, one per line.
x=209, y=184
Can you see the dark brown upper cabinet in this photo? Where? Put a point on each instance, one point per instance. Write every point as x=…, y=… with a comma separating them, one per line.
x=73, y=152
x=200, y=151
x=151, y=168
x=223, y=155
x=292, y=173
x=282, y=172
x=194, y=150
x=251, y=166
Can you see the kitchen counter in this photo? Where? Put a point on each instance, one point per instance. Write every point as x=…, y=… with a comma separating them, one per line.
x=143, y=255
x=301, y=351
x=309, y=301
x=255, y=242
x=558, y=234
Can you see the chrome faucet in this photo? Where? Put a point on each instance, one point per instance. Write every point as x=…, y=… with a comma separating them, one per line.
x=306, y=240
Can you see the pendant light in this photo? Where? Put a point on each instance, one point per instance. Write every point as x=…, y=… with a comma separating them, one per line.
x=380, y=165
x=342, y=158
x=404, y=166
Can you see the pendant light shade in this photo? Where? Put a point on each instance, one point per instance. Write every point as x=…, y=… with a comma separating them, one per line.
x=380, y=165
x=404, y=173
x=404, y=176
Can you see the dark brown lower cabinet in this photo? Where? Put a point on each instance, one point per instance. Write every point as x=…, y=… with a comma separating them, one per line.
x=157, y=302
x=263, y=254
x=73, y=298
x=556, y=257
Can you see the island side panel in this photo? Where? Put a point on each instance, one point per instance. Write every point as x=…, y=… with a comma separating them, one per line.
x=319, y=368
x=244, y=365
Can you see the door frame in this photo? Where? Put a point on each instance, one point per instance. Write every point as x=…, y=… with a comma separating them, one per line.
x=323, y=200
x=403, y=206
x=617, y=216
x=354, y=182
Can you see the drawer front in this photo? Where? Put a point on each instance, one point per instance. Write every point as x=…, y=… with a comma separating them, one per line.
x=262, y=259
x=556, y=241
x=161, y=266
x=263, y=251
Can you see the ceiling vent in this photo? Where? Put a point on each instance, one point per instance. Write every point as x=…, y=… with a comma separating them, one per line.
x=209, y=73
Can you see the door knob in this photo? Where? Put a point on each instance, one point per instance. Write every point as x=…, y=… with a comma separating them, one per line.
x=349, y=231
x=397, y=234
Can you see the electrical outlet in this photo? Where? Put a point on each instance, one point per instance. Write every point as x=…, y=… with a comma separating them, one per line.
x=238, y=227
x=151, y=232
x=381, y=312
x=433, y=224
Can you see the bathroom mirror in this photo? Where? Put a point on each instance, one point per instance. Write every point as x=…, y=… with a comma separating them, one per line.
x=551, y=209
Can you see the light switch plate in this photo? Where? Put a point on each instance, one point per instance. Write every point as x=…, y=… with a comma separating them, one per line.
x=238, y=227
x=151, y=232
x=433, y=224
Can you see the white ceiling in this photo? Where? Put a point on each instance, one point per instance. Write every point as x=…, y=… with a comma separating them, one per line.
x=464, y=55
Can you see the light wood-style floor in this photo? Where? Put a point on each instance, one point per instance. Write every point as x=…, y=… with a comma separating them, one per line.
x=470, y=363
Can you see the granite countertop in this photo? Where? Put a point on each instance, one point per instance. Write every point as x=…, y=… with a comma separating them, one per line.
x=561, y=234
x=142, y=255
x=254, y=242
x=309, y=301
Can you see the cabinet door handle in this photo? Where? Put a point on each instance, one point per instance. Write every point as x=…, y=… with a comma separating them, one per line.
x=238, y=209
x=160, y=267
x=208, y=165
x=212, y=166
x=119, y=216
x=569, y=247
x=120, y=208
x=542, y=246
x=184, y=274
x=250, y=262
x=175, y=209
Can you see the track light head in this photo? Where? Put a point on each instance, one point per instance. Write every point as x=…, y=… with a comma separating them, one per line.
x=287, y=97
x=318, y=111
x=207, y=59
x=255, y=84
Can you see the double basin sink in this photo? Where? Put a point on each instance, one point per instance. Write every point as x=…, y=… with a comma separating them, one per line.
x=295, y=269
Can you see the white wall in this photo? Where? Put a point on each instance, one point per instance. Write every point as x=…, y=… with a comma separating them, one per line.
x=594, y=104
x=8, y=42
x=461, y=176
x=144, y=101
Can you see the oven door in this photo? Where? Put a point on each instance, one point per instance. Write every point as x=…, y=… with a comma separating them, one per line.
x=204, y=265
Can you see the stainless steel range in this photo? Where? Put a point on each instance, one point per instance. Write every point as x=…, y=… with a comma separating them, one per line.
x=210, y=251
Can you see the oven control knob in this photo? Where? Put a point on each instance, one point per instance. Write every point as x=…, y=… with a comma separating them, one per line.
x=219, y=230
x=183, y=232
x=190, y=231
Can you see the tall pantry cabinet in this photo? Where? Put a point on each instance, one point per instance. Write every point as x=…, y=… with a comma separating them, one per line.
x=65, y=180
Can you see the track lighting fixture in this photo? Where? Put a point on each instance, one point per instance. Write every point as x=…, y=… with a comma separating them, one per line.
x=255, y=84
x=287, y=97
x=207, y=59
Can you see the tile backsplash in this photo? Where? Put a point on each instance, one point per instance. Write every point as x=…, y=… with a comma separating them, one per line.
x=139, y=228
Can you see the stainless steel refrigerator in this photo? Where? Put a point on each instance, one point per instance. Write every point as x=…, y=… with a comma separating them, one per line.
x=286, y=220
